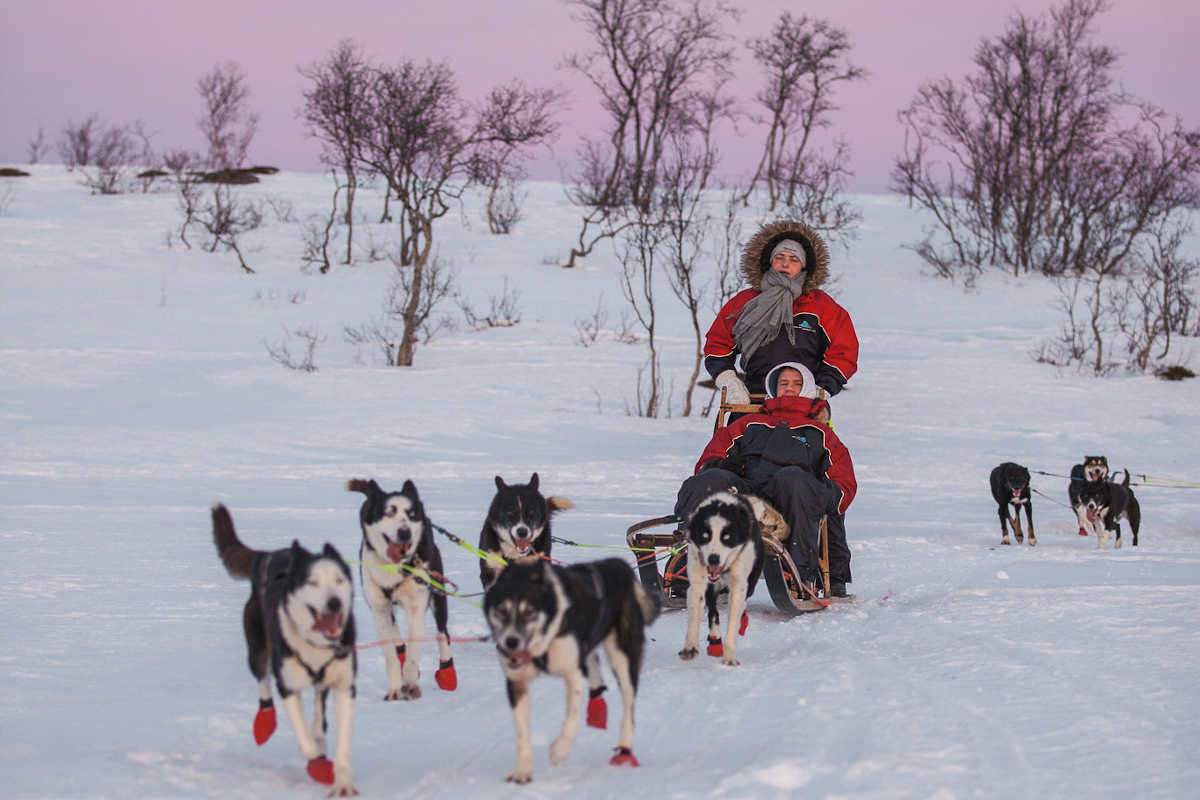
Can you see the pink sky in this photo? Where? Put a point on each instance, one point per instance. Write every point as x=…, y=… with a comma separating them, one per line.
x=139, y=60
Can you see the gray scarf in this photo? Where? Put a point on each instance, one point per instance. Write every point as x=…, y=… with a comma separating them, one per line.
x=763, y=316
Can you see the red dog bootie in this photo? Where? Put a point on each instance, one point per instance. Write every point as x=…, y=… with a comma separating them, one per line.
x=1082, y=532
x=624, y=758
x=715, y=649
x=400, y=654
x=597, y=710
x=264, y=722
x=745, y=624
x=446, y=677
x=320, y=769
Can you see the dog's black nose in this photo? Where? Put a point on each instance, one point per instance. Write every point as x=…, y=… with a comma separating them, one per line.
x=403, y=535
x=511, y=643
x=334, y=605
x=714, y=560
x=522, y=532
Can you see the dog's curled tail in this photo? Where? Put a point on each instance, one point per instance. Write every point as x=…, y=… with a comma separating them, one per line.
x=236, y=557
x=1125, y=482
x=362, y=486
x=558, y=503
x=651, y=604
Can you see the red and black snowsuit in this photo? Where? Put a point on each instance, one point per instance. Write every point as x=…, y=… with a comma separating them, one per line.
x=789, y=457
x=825, y=339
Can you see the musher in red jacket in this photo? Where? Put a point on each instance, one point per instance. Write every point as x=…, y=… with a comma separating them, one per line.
x=783, y=316
x=785, y=454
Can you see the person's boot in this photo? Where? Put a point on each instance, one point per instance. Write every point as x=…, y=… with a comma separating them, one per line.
x=837, y=588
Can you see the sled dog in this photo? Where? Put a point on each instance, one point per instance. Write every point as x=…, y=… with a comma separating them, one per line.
x=1093, y=468
x=550, y=618
x=300, y=628
x=517, y=526
x=398, y=556
x=1104, y=503
x=725, y=553
x=1010, y=486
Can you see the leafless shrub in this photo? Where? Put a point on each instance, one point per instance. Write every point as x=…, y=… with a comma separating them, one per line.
x=625, y=332
x=589, y=327
x=281, y=207
x=104, y=154
x=225, y=218
x=228, y=125
x=408, y=310
x=503, y=312
x=803, y=61
x=76, y=141
x=281, y=351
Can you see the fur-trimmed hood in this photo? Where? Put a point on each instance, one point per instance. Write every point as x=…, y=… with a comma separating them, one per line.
x=756, y=256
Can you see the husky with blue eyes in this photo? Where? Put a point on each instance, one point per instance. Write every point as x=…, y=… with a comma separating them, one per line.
x=398, y=557
x=299, y=628
x=725, y=554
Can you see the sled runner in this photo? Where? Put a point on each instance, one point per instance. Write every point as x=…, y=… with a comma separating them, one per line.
x=662, y=556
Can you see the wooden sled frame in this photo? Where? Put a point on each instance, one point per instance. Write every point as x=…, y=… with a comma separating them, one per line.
x=779, y=570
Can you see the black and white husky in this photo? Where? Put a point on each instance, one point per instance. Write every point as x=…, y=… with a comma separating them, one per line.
x=1104, y=504
x=517, y=526
x=725, y=552
x=550, y=618
x=398, y=554
x=1091, y=470
x=300, y=628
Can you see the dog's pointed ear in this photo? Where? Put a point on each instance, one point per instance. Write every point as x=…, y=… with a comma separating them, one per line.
x=409, y=489
x=500, y=484
x=329, y=551
x=533, y=481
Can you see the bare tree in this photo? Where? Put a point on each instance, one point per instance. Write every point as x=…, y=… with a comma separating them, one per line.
x=228, y=125
x=398, y=317
x=76, y=141
x=803, y=60
x=1037, y=163
x=499, y=165
x=37, y=146
x=428, y=145
x=637, y=249
x=337, y=111
x=653, y=60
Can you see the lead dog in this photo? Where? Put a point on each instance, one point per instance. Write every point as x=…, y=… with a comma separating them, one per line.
x=725, y=552
x=1105, y=503
x=1010, y=487
x=398, y=556
x=1093, y=468
x=517, y=526
x=551, y=619
x=299, y=625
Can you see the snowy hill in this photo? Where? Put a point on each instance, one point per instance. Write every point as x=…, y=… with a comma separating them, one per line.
x=137, y=391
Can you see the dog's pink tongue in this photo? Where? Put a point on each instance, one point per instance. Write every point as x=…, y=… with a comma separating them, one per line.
x=524, y=545
x=396, y=552
x=328, y=624
x=1091, y=515
x=714, y=573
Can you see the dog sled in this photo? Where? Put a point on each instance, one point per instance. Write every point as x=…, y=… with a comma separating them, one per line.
x=660, y=547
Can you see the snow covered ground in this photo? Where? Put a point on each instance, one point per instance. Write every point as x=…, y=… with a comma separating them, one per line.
x=137, y=390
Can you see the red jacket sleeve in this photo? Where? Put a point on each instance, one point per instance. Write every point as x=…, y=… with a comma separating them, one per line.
x=720, y=350
x=720, y=444
x=841, y=469
x=842, y=354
